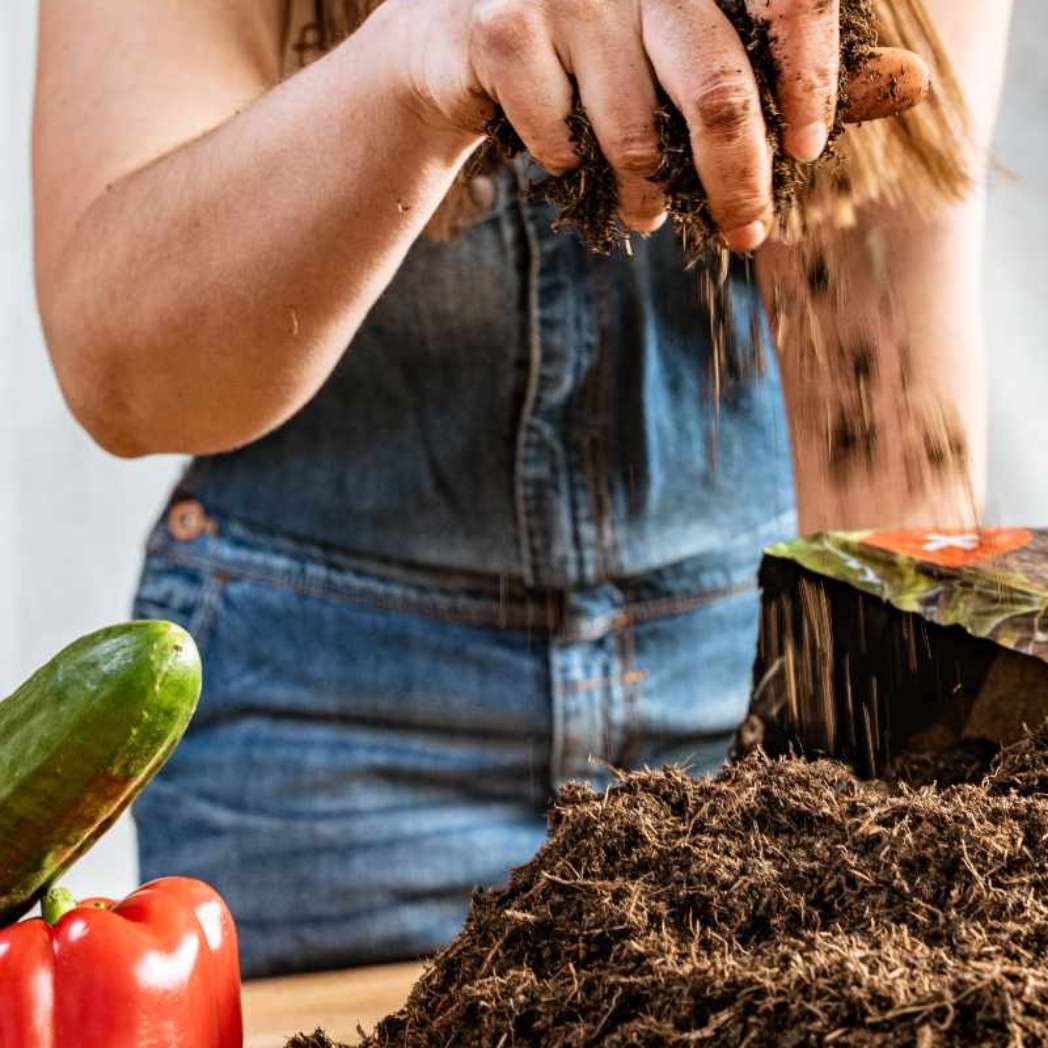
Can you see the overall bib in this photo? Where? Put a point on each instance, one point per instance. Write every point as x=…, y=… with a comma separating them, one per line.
x=508, y=544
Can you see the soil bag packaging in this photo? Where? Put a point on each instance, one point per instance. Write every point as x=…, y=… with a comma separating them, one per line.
x=875, y=646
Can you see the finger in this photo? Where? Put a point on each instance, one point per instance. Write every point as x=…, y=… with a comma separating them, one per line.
x=891, y=82
x=805, y=40
x=702, y=64
x=618, y=94
x=518, y=66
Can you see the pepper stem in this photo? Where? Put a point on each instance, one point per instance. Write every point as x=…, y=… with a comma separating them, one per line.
x=57, y=903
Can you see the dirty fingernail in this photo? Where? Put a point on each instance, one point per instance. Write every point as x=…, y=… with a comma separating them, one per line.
x=747, y=238
x=807, y=143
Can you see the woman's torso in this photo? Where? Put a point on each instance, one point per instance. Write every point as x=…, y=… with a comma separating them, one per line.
x=515, y=406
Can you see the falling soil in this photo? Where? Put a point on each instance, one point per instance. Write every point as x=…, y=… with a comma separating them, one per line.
x=586, y=201
x=782, y=903
x=920, y=158
x=587, y=198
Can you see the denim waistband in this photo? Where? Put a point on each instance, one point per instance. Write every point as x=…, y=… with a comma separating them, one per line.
x=225, y=548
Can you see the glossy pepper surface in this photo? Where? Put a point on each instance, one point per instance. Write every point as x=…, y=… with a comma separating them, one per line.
x=158, y=970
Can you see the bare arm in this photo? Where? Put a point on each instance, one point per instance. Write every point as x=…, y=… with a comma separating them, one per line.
x=889, y=428
x=208, y=240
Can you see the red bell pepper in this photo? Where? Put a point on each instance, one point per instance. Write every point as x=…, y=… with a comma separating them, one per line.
x=158, y=970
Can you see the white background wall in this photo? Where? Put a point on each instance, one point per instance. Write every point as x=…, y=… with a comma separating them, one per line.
x=1016, y=281
x=72, y=520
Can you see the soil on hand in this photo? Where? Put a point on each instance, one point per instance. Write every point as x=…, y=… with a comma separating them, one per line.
x=782, y=903
x=586, y=198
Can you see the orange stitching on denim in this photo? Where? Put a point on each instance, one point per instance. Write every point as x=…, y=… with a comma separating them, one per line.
x=664, y=606
x=589, y=683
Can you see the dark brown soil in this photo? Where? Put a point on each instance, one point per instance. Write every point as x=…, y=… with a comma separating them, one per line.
x=317, y=1039
x=783, y=903
x=586, y=197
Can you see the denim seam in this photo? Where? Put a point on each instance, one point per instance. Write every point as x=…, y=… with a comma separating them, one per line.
x=588, y=683
x=428, y=609
x=574, y=415
x=626, y=640
x=523, y=618
x=608, y=740
x=599, y=412
x=206, y=611
x=558, y=696
x=645, y=611
x=524, y=507
x=589, y=560
x=595, y=558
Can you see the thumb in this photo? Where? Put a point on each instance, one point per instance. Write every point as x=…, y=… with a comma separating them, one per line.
x=892, y=81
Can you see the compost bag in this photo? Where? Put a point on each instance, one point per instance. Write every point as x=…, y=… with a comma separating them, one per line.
x=877, y=646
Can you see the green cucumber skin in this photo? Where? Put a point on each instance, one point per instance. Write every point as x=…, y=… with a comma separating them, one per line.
x=78, y=742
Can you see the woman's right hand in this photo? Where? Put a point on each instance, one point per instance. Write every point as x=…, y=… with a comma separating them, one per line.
x=460, y=57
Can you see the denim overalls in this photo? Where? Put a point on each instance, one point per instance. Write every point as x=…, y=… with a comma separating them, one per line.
x=495, y=552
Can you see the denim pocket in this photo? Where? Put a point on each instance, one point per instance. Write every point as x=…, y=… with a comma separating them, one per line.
x=184, y=595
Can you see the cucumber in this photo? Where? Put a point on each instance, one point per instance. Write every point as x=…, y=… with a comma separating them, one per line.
x=79, y=740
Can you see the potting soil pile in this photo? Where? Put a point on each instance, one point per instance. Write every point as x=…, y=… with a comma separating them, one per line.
x=783, y=903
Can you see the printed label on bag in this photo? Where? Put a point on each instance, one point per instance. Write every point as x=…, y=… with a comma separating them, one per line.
x=951, y=549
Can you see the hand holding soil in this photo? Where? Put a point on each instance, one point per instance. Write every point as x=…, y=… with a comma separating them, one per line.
x=751, y=79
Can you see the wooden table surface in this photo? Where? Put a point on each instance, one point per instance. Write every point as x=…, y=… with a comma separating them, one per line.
x=275, y=1009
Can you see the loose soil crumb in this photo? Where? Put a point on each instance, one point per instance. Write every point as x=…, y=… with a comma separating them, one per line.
x=782, y=903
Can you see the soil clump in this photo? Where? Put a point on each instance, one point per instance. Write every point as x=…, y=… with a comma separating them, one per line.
x=782, y=903
x=586, y=197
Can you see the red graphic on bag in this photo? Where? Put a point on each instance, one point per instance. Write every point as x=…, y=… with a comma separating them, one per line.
x=951, y=549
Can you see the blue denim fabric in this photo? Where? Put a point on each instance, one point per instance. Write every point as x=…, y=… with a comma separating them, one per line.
x=494, y=548
x=370, y=748
x=516, y=406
